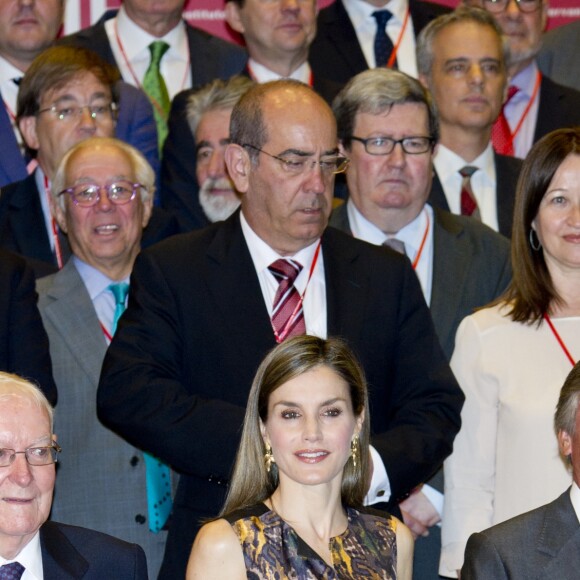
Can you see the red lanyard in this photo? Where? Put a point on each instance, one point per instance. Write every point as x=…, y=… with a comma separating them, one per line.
x=281, y=337
x=393, y=56
x=136, y=80
x=107, y=334
x=528, y=107
x=559, y=339
x=420, y=252
x=54, y=226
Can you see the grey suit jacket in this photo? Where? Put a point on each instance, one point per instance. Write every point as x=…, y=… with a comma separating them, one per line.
x=471, y=267
x=541, y=544
x=558, y=58
x=100, y=480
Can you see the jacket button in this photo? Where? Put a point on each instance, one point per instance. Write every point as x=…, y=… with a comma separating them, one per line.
x=140, y=519
x=134, y=461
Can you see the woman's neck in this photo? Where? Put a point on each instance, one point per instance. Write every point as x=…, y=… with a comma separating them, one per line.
x=567, y=285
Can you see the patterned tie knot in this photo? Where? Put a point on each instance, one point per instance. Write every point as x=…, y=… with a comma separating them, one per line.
x=285, y=270
x=467, y=171
x=120, y=291
x=382, y=17
x=12, y=571
x=157, y=49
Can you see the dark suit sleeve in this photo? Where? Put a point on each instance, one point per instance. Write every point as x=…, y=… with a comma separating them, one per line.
x=425, y=399
x=482, y=560
x=26, y=341
x=179, y=189
x=145, y=396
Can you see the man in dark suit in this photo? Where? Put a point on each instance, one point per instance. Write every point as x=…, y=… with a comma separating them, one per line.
x=28, y=543
x=67, y=95
x=176, y=377
x=346, y=33
x=278, y=36
x=462, y=59
x=23, y=340
x=190, y=57
x=27, y=30
x=545, y=542
x=539, y=105
x=387, y=126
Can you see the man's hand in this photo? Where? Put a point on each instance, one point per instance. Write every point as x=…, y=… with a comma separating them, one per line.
x=419, y=514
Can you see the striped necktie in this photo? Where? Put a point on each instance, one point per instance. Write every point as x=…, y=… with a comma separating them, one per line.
x=287, y=313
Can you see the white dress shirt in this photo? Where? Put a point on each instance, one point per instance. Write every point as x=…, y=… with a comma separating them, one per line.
x=515, y=109
x=365, y=27
x=411, y=235
x=9, y=90
x=131, y=51
x=97, y=285
x=43, y=194
x=31, y=558
x=261, y=74
x=314, y=316
x=483, y=182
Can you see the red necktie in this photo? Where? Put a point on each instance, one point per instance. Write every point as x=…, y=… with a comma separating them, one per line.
x=287, y=314
x=468, y=201
x=501, y=135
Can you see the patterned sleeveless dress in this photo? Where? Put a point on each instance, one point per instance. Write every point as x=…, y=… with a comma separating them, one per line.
x=274, y=551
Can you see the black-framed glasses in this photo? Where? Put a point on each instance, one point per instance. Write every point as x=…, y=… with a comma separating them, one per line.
x=69, y=112
x=385, y=145
x=89, y=194
x=497, y=6
x=45, y=455
x=297, y=164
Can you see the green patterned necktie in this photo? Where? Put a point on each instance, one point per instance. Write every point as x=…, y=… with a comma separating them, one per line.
x=156, y=89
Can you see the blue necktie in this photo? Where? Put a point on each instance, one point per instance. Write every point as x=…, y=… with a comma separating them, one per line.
x=383, y=44
x=157, y=473
x=12, y=571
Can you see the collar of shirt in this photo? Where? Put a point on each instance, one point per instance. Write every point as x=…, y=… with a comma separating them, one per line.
x=31, y=558
x=575, y=498
x=483, y=182
x=315, y=300
x=174, y=64
x=97, y=285
x=365, y=27
x=525, y=80
x=262, y=74
x=9, y=89
x=412, y=236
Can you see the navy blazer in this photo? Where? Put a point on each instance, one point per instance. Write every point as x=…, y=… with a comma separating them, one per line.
x=336, y=53
x=507, y=171
x=543, y=544
x=176, y=377
x=70, y=553
x=23, y=340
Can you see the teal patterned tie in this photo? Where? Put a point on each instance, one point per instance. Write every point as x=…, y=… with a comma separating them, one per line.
x=157, y=473
x=156, y=89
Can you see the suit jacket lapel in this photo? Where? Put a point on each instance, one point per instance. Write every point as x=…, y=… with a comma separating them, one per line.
x=230, y=267
x=29, y=226
x=346, y=284
x=70, y=310
x=437, y=196
x=450, y=269
x=560, y=540
x=60, y=559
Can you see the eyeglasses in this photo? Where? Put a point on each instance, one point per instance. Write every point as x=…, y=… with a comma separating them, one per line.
x=34, y=455
x=385, y=145
x=89, y=194
x=296, y=165
x=497, y=6
x=69, y=113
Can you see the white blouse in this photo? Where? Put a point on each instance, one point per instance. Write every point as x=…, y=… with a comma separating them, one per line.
x=505, y=459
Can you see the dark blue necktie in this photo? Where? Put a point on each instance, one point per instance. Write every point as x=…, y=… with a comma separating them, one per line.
x=12, y=571
x=383, y=44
